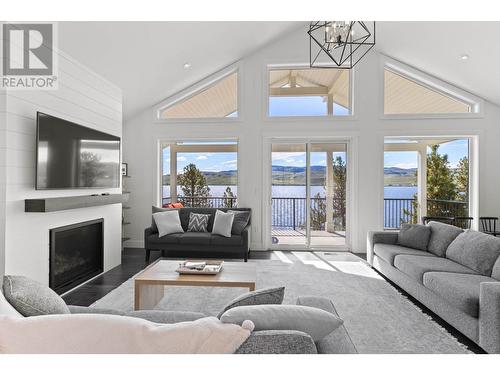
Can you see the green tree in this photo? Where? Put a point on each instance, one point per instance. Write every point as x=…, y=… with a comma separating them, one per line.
x=194, y=186
x=440, y=182
x=339, y=193
x=229, y=198
x=462, y=180
x=318, y=212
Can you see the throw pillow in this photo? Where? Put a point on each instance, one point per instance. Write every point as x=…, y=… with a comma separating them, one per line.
x=415, y=236
x=442, y=235
x=32, y=298
x=198, y=222
x=111, y=334
x=6, y=309
x=476, y=250
x=269, y=296
x=241, y=219
x=315, y=322
x=223, y=223
x=168, y=222
x=155, y=210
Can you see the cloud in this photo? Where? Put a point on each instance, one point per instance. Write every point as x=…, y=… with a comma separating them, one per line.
x=231, y=162
x=286, y=155
x=202, y=157
x=404, y=165
x=181, y=158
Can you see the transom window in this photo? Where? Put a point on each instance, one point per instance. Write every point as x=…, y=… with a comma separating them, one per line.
x=218, y=100
x=406, y=96
x=309, y=92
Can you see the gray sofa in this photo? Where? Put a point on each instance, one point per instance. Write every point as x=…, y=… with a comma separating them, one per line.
x=455, y=274
x=198, y=242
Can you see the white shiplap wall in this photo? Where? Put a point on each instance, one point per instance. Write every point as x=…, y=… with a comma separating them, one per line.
x=3, y=137
x=84, y=98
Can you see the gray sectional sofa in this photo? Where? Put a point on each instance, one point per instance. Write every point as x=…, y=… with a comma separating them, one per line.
x=204, y=242
x=454, y=273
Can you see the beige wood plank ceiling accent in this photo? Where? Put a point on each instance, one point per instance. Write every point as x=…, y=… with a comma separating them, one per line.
x=216, y=101
x=311, y=82
x=404, y=96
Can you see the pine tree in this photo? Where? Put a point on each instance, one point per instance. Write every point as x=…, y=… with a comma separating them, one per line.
x=194, y=186
x=462, y=180
x=339, y=192
x=440, y=181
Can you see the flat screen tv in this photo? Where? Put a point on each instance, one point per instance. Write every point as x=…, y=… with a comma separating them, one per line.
x=71, y=156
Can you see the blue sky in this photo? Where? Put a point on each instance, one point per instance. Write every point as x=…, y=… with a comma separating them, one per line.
x=455, y=150
x=302, y=106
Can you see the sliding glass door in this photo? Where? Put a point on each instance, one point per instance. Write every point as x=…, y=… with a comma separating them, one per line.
x=308, y=195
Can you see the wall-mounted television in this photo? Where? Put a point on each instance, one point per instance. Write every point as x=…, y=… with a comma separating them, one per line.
x=72, y=156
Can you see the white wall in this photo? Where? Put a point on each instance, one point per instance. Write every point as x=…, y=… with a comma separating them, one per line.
x=3, y=152
x=82, y=97
x=366, y=131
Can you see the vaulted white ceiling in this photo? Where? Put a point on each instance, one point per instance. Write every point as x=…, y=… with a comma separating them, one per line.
x=146, y=59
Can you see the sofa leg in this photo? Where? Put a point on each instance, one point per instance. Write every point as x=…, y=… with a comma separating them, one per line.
x=163, y=253
x=246, y=255
x=148, y=253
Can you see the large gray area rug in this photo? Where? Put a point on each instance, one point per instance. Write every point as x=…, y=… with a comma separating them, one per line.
x=378, y=318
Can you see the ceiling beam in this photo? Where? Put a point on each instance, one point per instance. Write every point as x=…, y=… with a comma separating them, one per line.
x=298, y=91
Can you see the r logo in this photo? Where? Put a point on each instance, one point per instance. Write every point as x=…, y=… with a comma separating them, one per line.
x=28, y=49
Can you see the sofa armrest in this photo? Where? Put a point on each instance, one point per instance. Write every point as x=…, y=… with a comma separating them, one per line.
x=489, y=316
x=245, y=234
x=278, y=342
x=147, y=232
x=374, y=237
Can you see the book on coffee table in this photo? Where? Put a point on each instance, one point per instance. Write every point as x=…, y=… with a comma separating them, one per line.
x=197, y=267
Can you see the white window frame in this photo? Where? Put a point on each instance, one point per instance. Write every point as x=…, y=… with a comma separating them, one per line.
x=198, y=87
x=432, y=83
x=160, y=142
x=267, y=67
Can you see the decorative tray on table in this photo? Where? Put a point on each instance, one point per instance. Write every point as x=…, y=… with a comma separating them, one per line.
x=200, y=267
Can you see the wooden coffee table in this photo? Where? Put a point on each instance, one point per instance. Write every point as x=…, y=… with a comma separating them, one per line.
x=150, y=284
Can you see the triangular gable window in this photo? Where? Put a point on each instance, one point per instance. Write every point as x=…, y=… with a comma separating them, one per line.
x=218, y=100
x=403, y=95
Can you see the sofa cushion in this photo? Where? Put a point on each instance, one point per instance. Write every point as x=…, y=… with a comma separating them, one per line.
x=415, y=236
x=168, y=239
x=416, y=266
x=198, y=222
x=475, y=250
x=388, y=252
x=168, y=222
x=6, y=309
x=315, y=322
x=234, y=240
x=268, y=296
x=442, y=235
x=241, y=219
x=31, y=298
x=195, y=238
x=223, y=223
x=460, y=290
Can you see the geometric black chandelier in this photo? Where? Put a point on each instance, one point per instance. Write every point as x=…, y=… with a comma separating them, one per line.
x=339, y=44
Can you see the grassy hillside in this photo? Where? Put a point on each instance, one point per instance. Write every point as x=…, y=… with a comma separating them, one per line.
x=283, y=175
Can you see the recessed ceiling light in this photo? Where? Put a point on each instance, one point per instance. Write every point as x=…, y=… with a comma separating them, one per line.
x=187, y=65
x=464, y=57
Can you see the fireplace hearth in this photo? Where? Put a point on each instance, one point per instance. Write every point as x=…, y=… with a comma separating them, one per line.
x=76, y=254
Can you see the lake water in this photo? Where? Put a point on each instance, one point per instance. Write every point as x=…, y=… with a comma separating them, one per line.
x=402, y=192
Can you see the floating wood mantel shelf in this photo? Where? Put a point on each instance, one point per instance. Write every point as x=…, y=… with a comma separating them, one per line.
x=69, y=203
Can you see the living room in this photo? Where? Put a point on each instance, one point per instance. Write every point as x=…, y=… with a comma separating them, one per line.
x=292, y=186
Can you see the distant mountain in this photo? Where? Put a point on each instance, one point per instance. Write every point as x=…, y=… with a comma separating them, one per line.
x=289, y=175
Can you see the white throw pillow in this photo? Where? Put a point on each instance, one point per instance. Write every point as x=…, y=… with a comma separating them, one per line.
x=223, y=223
x=168, y=222
x=111, y=334
x=315, y=322
x=6, y=308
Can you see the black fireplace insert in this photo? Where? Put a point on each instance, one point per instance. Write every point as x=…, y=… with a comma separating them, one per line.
x=76, y=254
